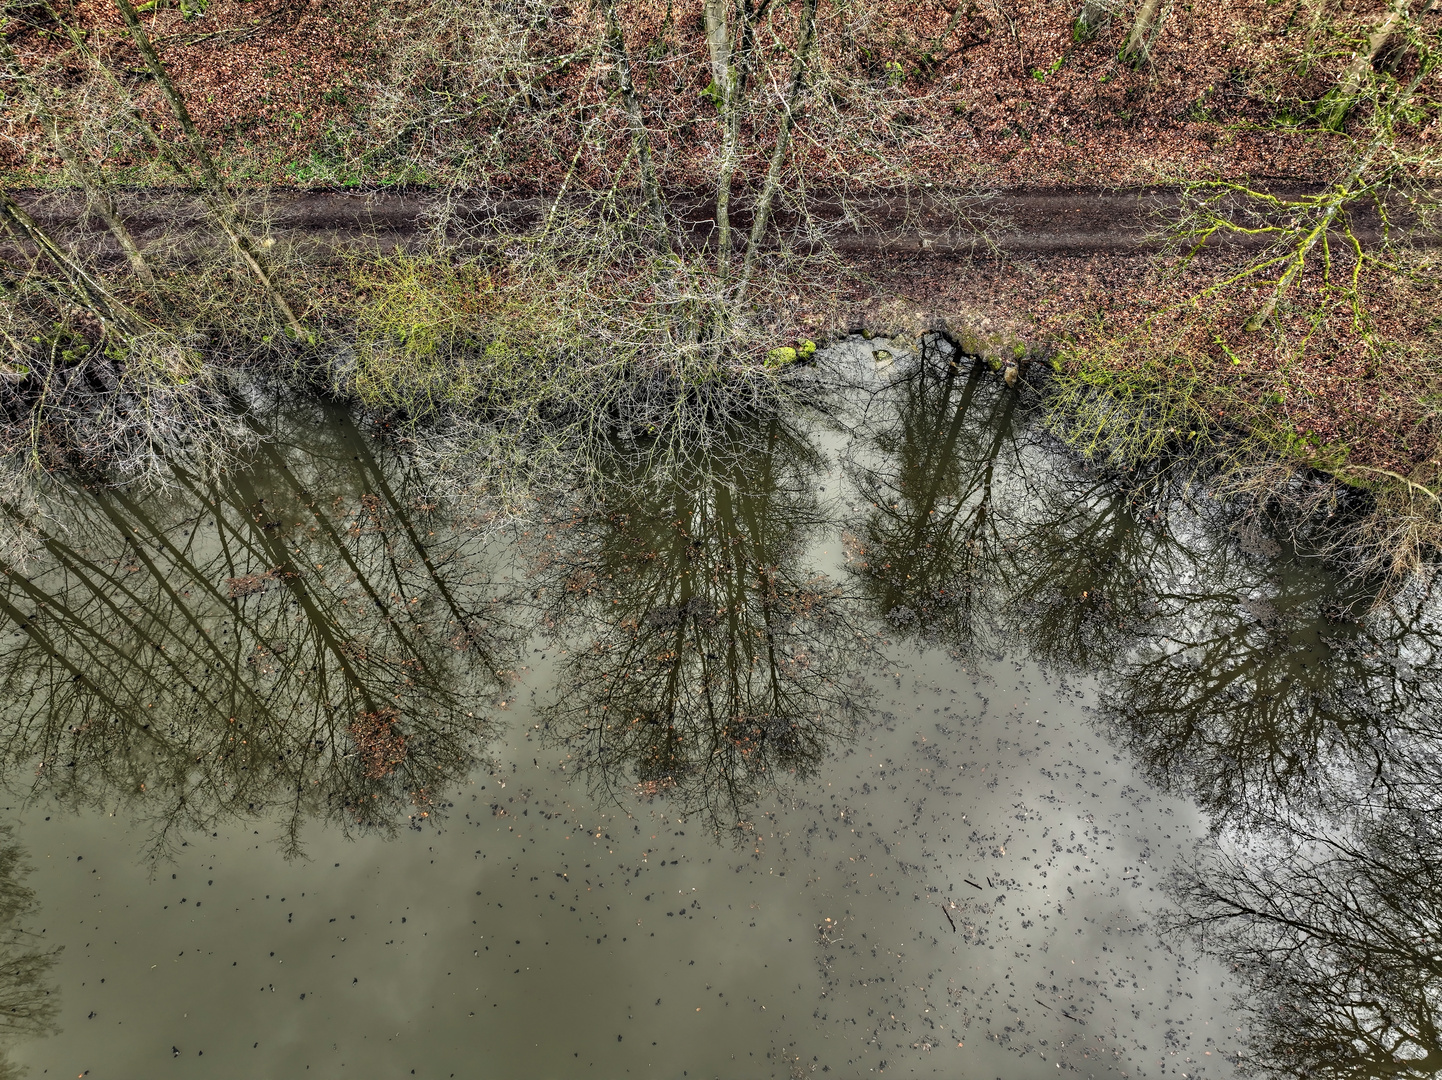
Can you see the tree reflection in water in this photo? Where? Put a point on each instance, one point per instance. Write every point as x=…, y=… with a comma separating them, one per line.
x=927, y=463
x=1329, y=904
x=975, y=539
x=252, y=645
x=704, y=661
x=1336, y=934
x=28, y=1006
x=1232, y=691
x=305, y=636
x=1313, y=742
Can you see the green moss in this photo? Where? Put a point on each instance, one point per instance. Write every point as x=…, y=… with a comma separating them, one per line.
x=1124, y=410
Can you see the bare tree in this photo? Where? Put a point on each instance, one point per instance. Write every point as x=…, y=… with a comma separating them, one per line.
x=1093, y=17
x=1146, y=26
x=790, y=111
x=81, y=285
x=213, y=186
x=1396, y=27
x=640, y=137
x=1297, y=227
x=97, y=195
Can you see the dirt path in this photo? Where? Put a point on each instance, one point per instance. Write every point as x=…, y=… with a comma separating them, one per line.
x=1048, y=222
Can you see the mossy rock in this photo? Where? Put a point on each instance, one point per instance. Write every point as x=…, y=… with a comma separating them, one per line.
x=967, y=341
x=779, y=358
x=805, y=349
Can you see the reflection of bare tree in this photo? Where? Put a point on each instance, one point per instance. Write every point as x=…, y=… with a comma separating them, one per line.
x=1225, y=671
x=1340, y=941
x=247, y=644
x=27, y=1006
x=1087, y=576
x=1235, y=694
x=1314, y=747
x=928, y=466
x=1393, y=697
x=974, y=536
x=1331, y=910
x=1240, y=689
x=704, y=662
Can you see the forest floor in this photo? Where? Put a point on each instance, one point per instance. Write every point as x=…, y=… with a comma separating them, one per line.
x=292, y=92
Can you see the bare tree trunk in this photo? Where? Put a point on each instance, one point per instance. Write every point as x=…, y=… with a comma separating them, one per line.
x=732, y=52
x=961, y=9
x=1392, y=21
x=1093, y=16
x=86, y=290
x=1350, y=83
x=1396, y=48
x=723, y=85
x=97, y=197
x=791, y=108
x=215, y=195
x=1144, y=32
x=718, y=42
x=167, y=88
x=640, y=138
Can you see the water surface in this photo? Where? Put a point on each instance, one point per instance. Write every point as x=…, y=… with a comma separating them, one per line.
x=885, y=739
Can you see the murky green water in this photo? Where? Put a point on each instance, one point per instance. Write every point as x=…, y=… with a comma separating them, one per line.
x=885, y=742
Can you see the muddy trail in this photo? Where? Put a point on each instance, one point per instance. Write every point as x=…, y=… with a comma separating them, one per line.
x=1064, y=222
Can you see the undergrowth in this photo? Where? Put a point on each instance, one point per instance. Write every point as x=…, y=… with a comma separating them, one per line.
x=502, y=368
x=1168, y=430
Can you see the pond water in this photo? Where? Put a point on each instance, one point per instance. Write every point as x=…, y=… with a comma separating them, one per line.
x=886, y=739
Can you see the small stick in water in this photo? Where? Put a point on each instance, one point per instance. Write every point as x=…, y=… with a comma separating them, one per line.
x=973, y=884
x=948, y=917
